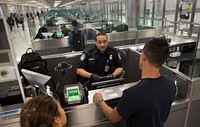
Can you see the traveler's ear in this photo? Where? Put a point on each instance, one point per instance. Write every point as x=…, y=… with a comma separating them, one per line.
x=57, y=120
x=143, y=56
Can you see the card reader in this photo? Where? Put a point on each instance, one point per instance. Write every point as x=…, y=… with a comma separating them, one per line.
x=73, y=94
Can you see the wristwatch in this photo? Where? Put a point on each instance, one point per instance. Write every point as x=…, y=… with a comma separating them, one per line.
x=99, y=101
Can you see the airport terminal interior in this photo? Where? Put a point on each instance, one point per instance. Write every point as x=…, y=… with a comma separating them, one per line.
x=42, y=26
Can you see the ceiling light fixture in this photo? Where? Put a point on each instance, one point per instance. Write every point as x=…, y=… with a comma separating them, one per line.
x=56, y=3
x=67, y=4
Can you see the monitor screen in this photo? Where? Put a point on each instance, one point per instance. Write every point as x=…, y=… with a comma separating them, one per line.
x=36, y=79
x=107, y=83
x=59, y=34
x=47, y=34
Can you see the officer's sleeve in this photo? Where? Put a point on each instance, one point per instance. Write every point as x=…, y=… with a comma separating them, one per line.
x=83, y=60
x=118, y=60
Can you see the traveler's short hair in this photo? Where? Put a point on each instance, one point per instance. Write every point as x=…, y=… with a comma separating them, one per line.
x=74, y=23
x=39, y=112
x=157, y=51
x=101, y=34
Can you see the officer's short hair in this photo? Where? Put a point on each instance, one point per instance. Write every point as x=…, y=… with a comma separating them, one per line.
x=100, y=34
x=74, y=23
x=157, y=51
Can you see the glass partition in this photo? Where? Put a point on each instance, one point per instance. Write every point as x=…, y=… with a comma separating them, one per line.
x=93, y=17
x=150, y=14
x=120, y=19
x=196, y=61
x=125, y=22
x=186, y=28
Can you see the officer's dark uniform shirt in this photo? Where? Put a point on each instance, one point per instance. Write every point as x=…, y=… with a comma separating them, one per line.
x=148, y=103
x=99, y=63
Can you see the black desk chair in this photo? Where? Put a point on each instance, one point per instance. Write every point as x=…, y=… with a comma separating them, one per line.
x=122, y=54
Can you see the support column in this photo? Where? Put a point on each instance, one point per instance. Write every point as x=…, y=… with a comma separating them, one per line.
x=4, y=10
x=20, y=9
x=35, y=10
x=23, y=10
x=87, y=8
x=176, y=15
x=145, y=12
x=131, y=13
x=102, y=8
x=17, y=9
x=192, y=17
x=163, y=14
x=153, y=13
x=28, y=10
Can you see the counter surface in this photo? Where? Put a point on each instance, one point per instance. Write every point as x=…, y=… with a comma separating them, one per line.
x=91, y=115
x=41, y=44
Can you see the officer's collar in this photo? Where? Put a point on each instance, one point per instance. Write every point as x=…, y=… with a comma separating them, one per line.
x=97, y=51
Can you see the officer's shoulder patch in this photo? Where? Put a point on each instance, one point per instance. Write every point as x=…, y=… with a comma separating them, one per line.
x=119, y=56
x=83, y=56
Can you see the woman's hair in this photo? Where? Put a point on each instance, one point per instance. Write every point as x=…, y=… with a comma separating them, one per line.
x=39, y=112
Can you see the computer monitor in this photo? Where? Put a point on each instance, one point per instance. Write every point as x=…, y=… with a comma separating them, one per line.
x=47, y=34
x=36, y=79
x=108, y=83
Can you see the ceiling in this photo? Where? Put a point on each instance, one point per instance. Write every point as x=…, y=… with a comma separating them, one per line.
x=60, y=2
x=38, y=3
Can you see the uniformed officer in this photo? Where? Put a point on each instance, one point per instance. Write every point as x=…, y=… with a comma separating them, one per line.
x=102, y=60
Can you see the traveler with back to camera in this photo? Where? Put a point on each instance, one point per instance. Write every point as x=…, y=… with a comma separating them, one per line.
x=42, y=111
x=101, y=60
x=76, y=38
x=148, y=103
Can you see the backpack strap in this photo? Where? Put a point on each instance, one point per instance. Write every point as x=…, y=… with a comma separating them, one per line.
x=79, y=32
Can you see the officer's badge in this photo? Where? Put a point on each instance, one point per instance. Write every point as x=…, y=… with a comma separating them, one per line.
x=90, y=59
x=110, y=57
x=83, y=56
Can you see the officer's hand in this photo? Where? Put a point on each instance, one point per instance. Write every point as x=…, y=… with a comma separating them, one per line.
x=110, y=76
x=95, y=77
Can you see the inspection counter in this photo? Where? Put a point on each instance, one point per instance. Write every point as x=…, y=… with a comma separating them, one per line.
x=90, y=115
x=39, y=44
